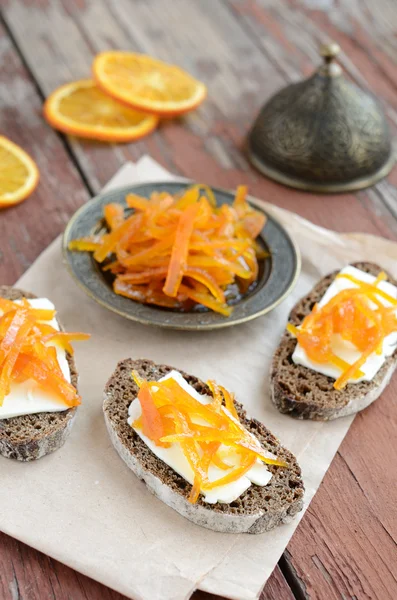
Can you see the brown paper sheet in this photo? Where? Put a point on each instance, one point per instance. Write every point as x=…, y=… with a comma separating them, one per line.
x=83, y=506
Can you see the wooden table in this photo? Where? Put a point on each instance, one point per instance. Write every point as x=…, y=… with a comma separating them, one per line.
x=244, y=50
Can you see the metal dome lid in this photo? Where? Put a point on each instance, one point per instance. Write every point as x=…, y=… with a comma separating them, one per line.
x=323, y=134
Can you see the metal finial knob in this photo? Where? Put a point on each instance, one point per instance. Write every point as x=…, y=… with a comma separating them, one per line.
x=329, y=51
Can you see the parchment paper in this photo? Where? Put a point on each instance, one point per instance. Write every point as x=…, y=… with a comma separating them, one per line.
x=82, y=505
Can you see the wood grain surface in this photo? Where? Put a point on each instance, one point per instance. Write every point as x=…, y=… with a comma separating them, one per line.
x=345, y=546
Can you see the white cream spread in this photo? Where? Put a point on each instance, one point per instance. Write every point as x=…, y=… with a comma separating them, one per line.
x=175, y=458
x=344, y=349
x=28, y=398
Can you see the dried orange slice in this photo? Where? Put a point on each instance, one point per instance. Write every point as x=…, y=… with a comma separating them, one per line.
x=81, y=108
x=19, y=174
x=147, y=84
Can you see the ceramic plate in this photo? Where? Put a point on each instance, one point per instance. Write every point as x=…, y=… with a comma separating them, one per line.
x=277, y=274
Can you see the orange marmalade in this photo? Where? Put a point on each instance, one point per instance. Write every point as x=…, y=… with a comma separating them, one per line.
x=26, y=351
x=363, y=315
x=171, y=415
x=179, y=251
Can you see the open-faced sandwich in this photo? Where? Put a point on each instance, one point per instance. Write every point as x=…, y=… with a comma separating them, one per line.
x=340, y=348
x=197, y=451
x=38, y=377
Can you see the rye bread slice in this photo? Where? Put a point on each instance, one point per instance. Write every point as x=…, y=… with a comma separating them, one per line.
x=30, y=437
x=305, y=394
x=257, y=510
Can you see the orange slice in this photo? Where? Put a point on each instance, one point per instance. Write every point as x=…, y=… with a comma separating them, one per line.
x=80, y=108
x=19, y=174
x=147, y=84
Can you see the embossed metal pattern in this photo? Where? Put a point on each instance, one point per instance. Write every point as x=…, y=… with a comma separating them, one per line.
x=322, y=134
x=278, y=274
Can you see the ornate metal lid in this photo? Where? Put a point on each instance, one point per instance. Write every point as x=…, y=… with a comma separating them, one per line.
x=323, y=134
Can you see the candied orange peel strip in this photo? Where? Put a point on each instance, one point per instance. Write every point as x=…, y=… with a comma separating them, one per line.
x=27, y=351
x=363, y=315
x=179, y=251
x=170, y=415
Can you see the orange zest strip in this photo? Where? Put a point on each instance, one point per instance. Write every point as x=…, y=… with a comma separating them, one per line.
x=216, y=458
x=137, y=379
x=170, y=415
x=189, y=198
x=253, y=225
x=206, y=299
x=32, y=368
x=171, y=393
x=206, y=188
x=110, y=241
x=335, y=360
x=234, y=440
x=6, y=305
x=25, y=353
x=48, y=355
x=152, y=425
x=84, y=245
x=137, y=202
x=10, y=346
x=240, y=199
x=42, y=314
x=236, y=473
x=341, y=382
x=114, y=215
x=63, y=339
x=208, y=280
x=237, y=268
x=293, y=330
x=358, y=316
x=216, y=394
x=371, y=286
x=181, y=251
x=208, y=435
x=229, y=402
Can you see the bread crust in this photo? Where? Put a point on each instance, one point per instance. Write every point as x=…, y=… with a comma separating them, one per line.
x=257, y=510
x=30, y=437
x=301, y=392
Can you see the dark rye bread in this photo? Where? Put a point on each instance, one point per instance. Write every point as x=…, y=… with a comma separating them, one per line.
x=31, y=437
x=305, y=394
x=257, y=510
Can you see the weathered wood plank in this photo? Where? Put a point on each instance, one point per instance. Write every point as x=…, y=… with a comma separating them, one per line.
x=211, y=43
x=243, y=65
x=347, y=549
x=291, y=36
x=26, y=574
x=275, y=589
x=26, y=229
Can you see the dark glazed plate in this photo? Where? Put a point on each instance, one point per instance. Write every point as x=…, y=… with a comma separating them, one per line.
x=277, y=274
